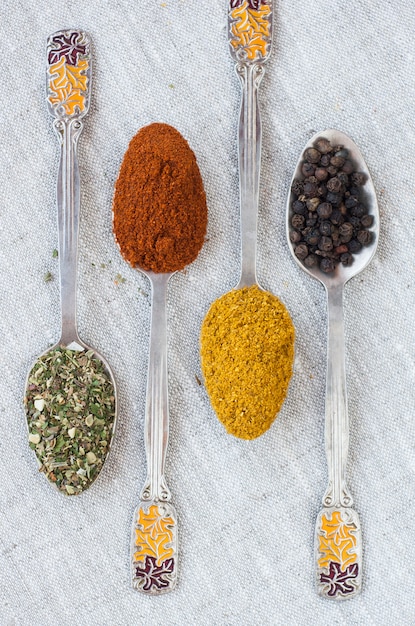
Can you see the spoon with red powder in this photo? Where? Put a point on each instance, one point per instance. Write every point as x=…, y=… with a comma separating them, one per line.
x=159, y=222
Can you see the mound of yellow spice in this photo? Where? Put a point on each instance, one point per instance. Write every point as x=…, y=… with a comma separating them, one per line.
x=247, y=353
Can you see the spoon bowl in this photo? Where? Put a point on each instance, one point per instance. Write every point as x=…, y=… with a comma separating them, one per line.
x=341, y=274
x=77, y=345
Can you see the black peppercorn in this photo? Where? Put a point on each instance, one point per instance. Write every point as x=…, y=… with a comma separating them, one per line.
x=301, y=251
x=351, y=202
x=327, y=265
x=346, y=232
x=346, y=259
x=312, y=204
x=298, y=221
x=343, y=178
x=332, y=170
x=325, y=160
x=323, y=145
x=335, y=185
x=336, y=217
x=321, y=173
x=299, y=207
x=312, y=155
x=324, y=210
x=312, y=237
x=312, y=221
x=367, y=221
x=354, y=246
x=347, y=167
x=334, y=198
x=364, y=237
x=295, y=236
x=297, y=187
x=310, y=189
x=337, y=161
x=307, y=169
x=322, y=190
x=355, y=222
x=326, y=228
x=325, y=244
x=358, y=211
x=311, y=260
x=358, y=179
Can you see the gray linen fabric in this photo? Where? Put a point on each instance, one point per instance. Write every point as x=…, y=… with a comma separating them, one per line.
x=246, y=509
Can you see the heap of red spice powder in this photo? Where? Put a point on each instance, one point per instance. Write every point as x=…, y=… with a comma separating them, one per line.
x=159, y=206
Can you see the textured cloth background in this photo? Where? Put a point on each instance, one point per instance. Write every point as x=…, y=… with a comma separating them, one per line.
x=246, y=509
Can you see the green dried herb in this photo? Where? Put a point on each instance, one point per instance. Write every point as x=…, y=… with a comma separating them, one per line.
x=70, y=406
x=55, y=254
x=119, y=279
x=48, y=277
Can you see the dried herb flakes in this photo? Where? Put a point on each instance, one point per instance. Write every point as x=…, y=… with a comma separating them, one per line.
x=70, y=406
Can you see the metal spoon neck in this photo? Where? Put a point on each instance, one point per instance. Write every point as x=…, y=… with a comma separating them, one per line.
x=249, y=145
x=156, y=425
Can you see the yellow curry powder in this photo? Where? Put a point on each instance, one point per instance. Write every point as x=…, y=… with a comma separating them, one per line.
x=247, y=353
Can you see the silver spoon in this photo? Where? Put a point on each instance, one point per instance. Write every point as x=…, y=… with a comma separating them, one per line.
x=338, y=532
x=250, y=24
x=68, y=97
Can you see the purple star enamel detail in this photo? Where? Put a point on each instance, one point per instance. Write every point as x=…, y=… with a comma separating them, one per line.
x=67, y=47
x=338, y=581
x=153, y=575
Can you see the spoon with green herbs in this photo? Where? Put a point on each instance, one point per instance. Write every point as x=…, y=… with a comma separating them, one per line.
x=70, y=395
x=333, y=230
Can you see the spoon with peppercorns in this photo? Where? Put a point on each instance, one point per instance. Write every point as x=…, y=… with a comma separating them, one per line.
x=332, y=231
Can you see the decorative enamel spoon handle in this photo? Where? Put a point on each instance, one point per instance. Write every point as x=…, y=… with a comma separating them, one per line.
x=68, y=96
x=338, y=534
x=250, y=39
x=154, y=540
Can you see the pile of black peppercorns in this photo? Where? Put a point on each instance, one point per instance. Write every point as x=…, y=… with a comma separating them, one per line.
x=329, y=222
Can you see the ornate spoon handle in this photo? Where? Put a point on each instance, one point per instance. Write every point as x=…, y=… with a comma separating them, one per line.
x=338, y=534
x=68, y=96
x=154, y=540
x=250, y=31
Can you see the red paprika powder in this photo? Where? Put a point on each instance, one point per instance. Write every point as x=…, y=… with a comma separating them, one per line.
x=159, y=206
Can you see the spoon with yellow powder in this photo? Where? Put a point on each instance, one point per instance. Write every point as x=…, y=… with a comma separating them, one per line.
x=247, y=337
x=338, y=534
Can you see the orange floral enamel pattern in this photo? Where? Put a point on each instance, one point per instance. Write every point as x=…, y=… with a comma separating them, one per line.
x=68, y=73
x=338, y=558
x=250, y=28
x=155, y=548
